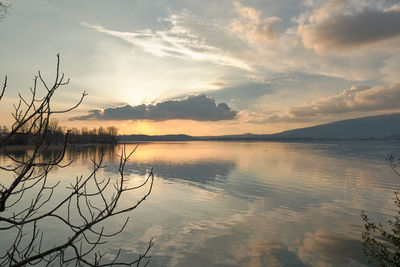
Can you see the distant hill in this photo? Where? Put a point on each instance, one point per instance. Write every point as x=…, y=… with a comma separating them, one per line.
x=373, y=127
x=142, y=137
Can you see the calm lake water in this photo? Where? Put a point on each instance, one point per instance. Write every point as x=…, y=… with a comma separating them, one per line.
x=249, y=203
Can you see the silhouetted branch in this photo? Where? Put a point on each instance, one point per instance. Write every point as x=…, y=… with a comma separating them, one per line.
x=75, y=211
x=381, y=244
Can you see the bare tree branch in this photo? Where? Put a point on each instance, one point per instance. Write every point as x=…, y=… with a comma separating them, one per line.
x=75, y=211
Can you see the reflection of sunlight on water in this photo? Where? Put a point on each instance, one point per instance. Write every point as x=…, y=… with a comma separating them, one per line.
x=257, y=204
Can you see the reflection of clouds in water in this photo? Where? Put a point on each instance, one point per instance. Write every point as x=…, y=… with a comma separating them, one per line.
x=209, y=240
x=127, y=255
x=152, y=232
x=323, y=248
x=211, y=236
x=198, y=172
x=252, y=203
x=251, y=235
x=267, y=253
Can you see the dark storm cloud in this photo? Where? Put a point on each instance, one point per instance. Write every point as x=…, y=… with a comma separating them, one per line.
x=194, y=107
x=341, y=32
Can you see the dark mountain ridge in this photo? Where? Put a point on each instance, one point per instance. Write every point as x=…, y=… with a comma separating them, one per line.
x=372, y=127
x=377, y=127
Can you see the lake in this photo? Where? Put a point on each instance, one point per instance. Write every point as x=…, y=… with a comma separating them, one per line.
x=248, y=203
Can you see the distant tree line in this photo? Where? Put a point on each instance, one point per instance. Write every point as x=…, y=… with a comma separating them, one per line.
x=30, y=198
x=55, y=135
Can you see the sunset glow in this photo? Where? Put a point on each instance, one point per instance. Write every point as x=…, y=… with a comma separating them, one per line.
x=200, y=133
x=274, y=66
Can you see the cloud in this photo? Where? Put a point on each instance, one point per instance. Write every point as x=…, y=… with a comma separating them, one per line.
x=357, y=99
x=391, y=69
x=252, y=26
x=329, y=30
x=243, y=95
x=265, y=44
x=394, y=8
x=176, y=42
x=262, y=117
x=247, y=12
x=194, y=107
x=261, y=43
x=326, y=10
x=275, y=45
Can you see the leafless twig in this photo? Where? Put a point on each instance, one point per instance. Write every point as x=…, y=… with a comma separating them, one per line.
x=79, y=211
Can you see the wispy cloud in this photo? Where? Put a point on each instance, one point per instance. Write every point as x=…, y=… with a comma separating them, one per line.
x=263, y=44
x=194, y=107
x=177, y=42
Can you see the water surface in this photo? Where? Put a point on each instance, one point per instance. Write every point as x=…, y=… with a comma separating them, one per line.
x=250, y=203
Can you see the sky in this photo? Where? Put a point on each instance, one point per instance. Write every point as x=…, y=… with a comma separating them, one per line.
x=203, y=67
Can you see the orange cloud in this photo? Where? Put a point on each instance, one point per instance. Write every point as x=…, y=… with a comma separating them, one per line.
x=252, y=26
